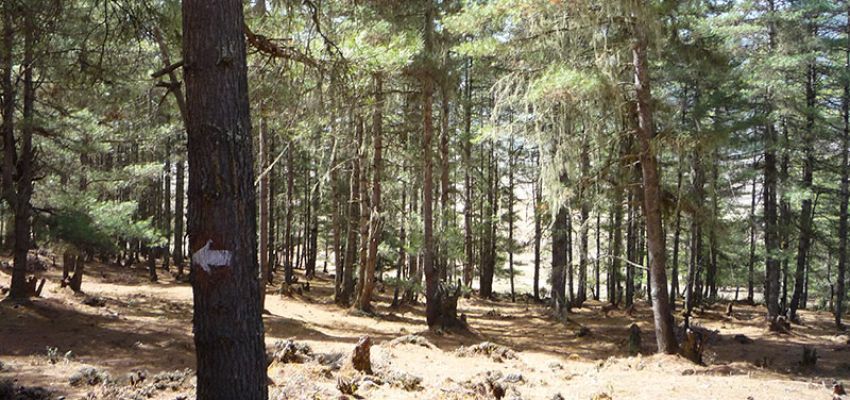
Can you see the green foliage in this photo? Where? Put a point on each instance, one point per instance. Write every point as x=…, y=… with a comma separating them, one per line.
x=89, y=225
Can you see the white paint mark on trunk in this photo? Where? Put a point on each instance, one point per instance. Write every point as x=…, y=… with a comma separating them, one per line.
x=207, y=258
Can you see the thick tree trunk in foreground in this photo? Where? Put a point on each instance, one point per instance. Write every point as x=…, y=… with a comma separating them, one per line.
x=664, y=328
x=228, y=327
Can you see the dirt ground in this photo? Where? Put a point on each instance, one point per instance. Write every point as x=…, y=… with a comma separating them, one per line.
x=140, y=335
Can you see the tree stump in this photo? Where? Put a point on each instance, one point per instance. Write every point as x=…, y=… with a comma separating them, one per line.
x=810, y=357
x=360, y=358
x=634, y=339
x=693, y=346
x=447, y=304
x=779, y=324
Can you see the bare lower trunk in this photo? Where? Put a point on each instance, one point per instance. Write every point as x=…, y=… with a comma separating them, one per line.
x=845, y=190
x=664, y=329
x=222, y=225
x=24, y=176
x=375, y=223
x=264, y=211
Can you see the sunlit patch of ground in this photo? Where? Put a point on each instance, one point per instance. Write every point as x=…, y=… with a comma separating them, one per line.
x=143, y=326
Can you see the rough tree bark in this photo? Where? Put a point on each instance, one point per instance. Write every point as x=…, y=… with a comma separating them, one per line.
x=806, y=211
x=263, y=201
x=538, y=226
x=695, y=262
x=24, y=171
x=353, y=219
x=677, y=232
x=468, y=266
x=229, y=337
x=375, y=222
x=584, y=215
x=845, y=188
x=664, y=328
x=560, y=245
x=752, y=260
x=511, y=216
x=10, y=155
x=432, y=306
x=771, y=239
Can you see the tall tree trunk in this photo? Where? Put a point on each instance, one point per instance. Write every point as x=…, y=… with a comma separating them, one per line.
x=375, y=222
x=24, y=176
x=271, y=253
x=313, y=221
x=432, y=278
x=229, y=337
x=596, y=264
x=538, y=225
x=616, y=250
x=784, y=216
x=584, y=214
x=337, y=216
x=806, y=210
x=166, y=187
x=511, y=216
x=468, y=266
x=617, y=227
x=353, y=219
x=695, y=263
x=664, y=329
x=752, y=222
x=10, y=155
x=674, y=274
x=711, y=275
x=364, y=213
x=402, y=244
x=179, y=198
x=845, y=185
x=488, y=259
x=631, y=249
x=445, y=209
x=264, y=209
x=179, y=179
x=560, y=246
x=289, y=244
x=771, y=238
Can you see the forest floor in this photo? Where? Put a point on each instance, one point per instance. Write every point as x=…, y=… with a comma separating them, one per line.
x=130, y=329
